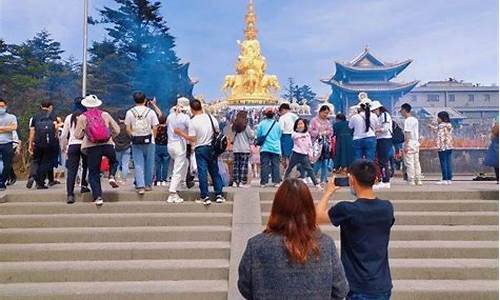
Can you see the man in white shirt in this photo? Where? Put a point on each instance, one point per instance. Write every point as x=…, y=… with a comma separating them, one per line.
x=286, y=121
x=142, y=122
x=177, y=120
x=411, y=146
x=201, y=133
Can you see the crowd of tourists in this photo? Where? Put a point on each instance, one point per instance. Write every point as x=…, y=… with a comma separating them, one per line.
x=170, y=149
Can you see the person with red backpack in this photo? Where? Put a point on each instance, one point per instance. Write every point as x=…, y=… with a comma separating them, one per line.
x=96, y=128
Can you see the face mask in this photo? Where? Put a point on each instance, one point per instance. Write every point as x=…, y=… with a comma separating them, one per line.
x=3, y=111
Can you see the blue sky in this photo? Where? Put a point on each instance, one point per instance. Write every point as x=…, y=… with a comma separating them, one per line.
x=300, y=39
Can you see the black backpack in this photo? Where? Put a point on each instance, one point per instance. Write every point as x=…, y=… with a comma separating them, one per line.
x=219, y=140
x=122, y=140
x=398, y=136
x=45, y=131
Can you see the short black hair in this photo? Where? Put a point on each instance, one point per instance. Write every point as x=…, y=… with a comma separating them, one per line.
x=340, y=117
x=195, y=105
x=3, y=100
x=406, y=107
x=46, y=104
x=324, y=107
x=297, y=123
x=139, y=97
x=284, y=106
x=364, y=171
x=444, y=116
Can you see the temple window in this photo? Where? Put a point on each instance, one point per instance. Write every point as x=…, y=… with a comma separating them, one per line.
x=471, y=98
x=432, y=98
x=451, y=98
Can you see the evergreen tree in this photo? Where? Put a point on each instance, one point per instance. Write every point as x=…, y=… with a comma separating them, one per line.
x=140, y=43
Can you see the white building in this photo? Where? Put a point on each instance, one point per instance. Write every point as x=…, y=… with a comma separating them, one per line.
x=474, y=101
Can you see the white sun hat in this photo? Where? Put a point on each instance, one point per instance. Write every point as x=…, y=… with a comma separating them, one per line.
x=375, y=104
x=91, y=101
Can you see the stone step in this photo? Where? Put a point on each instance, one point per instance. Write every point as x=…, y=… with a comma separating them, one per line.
x=438, y=218
x=115, y=234
x=433, y=232
x=114, y=220
x=114, y=251
x=428, y=205
x=444, y=269
x=19, y=208
x=453, y=192
x=440, y=249
x=114, y=270
x=445, y=289
x=125, y=290
x=109, y=196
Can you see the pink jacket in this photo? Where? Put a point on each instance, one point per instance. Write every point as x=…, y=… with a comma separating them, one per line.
x=319, y=126
x=302, y=143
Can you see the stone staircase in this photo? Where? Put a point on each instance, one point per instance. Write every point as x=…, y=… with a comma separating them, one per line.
x=444, y=247
x=130, y=248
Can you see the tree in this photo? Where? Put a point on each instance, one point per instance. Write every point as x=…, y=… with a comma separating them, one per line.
x=141, y=51
x=301, y=94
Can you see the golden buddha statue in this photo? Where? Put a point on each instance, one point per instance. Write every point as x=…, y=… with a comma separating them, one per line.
x=250, y=85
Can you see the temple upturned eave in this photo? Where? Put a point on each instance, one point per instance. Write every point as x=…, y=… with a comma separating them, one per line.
x=388, y=87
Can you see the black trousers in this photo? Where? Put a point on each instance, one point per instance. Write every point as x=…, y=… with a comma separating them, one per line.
x=44, y=158
x=72, y=163
x=304, y=165
x=94, y=158
x=7, y=153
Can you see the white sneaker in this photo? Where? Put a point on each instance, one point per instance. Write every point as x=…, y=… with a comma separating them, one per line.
x=411, y=183
x=205, y=201
x=220, y=199
x=378, y=186
x=245, y=186
x=113, y=183
x=387, y=185
x=442, y=182
x=178, y=199
x=419, y=182
x=164, y=183
x=99, y=201
x=171, y=198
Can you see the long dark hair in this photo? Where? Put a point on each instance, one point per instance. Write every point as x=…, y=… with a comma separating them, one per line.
x=366, y=108
x=78, y=109
x=444, y=116
x=240, y=122
x=293, y=215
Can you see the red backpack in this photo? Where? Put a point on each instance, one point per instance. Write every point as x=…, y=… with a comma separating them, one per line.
x=96, y=130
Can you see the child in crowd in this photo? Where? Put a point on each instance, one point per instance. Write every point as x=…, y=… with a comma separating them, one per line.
x=255, y=160
x=302, y=150
x=365, y=228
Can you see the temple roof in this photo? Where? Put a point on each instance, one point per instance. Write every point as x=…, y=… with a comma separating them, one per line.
x=383, y=86
x=366, y=62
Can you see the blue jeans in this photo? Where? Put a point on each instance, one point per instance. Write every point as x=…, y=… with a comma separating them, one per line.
x=446, y=164
x=384, y=154
x=359, y=296
x=162, y=160
x=207, y=162
x=144, y=157
x=365, y=148
x=321, y=166
x=122, y=161
x=269, y=164
x=6, y=153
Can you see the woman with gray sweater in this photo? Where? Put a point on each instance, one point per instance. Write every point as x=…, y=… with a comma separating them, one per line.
x=242, y=136
x=292, y=259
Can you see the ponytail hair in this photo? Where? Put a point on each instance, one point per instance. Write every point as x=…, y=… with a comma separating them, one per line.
x=366, y=107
